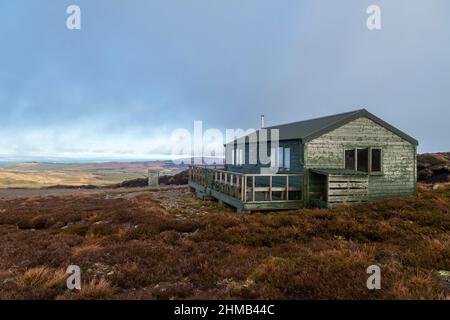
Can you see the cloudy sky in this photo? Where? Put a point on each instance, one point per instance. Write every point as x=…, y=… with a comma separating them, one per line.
x=138, y=69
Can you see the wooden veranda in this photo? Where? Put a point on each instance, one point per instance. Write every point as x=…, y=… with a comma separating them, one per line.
x=248, y=192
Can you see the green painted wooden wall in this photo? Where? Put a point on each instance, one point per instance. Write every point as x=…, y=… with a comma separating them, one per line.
x=398, y=156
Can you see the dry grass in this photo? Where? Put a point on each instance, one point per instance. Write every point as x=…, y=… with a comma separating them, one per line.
x=141, y=250
x=85, y=249
x=96, y=290
x=42, y=277
x=92, y=290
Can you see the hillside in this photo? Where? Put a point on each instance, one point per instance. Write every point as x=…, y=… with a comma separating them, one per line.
x=42, y=175
x=164, y=244
x=433, y=167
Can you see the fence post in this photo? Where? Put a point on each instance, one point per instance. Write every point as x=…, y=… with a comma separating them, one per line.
x=245, y=188
x=253, y=188
x=287, y=187
x=270, y=188
x=226, y=183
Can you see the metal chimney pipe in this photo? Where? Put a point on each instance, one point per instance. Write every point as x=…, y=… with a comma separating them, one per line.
x=262, y=121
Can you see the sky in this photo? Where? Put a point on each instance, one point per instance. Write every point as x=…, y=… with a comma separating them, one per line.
x=140, y=69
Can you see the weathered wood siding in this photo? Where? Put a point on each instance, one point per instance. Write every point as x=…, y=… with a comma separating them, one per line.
x=347, y=188
x=398, y=156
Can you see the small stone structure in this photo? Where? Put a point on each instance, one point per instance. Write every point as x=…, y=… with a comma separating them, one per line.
x=153, y=178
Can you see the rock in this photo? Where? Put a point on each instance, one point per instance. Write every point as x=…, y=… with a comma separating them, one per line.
x=445, y=276
x=135, y=183
x=433, y=167
x=177, y=179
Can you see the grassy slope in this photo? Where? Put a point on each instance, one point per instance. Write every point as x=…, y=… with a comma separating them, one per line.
x=165, y=245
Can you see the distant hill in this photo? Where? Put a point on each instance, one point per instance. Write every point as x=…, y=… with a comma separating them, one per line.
x=433, y=167
x=42, y=175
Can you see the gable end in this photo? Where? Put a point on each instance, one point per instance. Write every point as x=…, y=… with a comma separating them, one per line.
x=357, y=115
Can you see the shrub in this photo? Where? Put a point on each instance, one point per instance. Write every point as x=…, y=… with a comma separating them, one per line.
x=85, y=249
x=39, y=222
x=42, y=277
x=96, y=290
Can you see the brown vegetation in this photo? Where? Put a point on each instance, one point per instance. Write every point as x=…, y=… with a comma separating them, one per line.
x=166, y=244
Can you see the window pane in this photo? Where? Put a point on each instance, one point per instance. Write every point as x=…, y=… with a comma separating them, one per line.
x=350, y=159
x=273, y=158
x=363, y=160
x=376, y=160
x=239, y=155
x=280, y=157
x=287, y=158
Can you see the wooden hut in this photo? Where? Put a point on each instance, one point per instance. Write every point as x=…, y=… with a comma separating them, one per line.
x=343, y=158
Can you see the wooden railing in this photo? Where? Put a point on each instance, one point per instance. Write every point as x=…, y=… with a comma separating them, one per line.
x=249, y=187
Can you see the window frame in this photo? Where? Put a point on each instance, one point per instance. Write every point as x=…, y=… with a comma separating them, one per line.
x=280, y=157
x=280, y=162
x=238, y=155
x=369, y=155
x=381, y=161
x=354, y=156
x=285, y=166
x=273, y=158
x=370, y=172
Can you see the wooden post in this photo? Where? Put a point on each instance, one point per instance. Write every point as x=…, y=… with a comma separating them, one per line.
x=245, y=189
x=226, y=182
x=253, y=188
x=237, y=186
x=242, y=188
x=287, y=187
x=231, y=184
x=215, y=180
x=270, y=188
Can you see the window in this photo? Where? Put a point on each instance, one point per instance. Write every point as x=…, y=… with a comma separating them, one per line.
x=280, y=159
x=239, y=157
x=273, y=158
x=287, y=158
x=363, y=160
x=376, y=160
x=350, y=160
